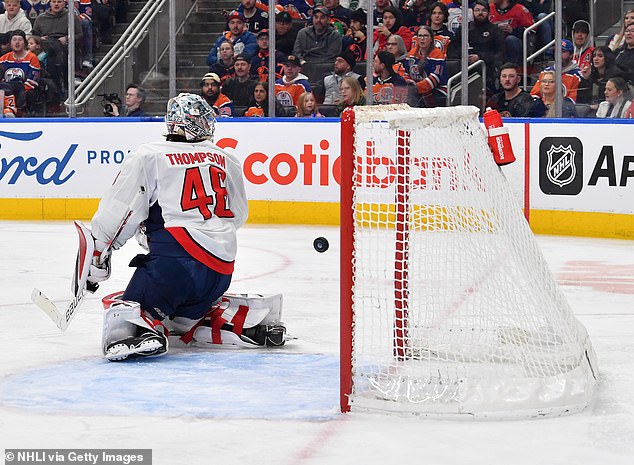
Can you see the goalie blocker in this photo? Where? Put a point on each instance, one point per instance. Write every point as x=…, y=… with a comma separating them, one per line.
x=236, y=320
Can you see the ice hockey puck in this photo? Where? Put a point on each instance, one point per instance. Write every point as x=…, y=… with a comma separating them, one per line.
x=321, y=244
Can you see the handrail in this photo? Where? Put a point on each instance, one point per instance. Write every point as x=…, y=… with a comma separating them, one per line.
x=131, y=37
x=538, y=52
x=479, y=63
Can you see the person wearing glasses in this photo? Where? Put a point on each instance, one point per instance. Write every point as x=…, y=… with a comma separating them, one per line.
x=426, y=66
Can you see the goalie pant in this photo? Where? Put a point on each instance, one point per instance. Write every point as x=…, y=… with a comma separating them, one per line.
x=245, y=320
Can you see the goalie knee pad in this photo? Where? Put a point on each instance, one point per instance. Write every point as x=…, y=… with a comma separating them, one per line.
x=127, y=333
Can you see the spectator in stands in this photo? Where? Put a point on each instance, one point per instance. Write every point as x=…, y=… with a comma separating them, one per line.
x=540, y=9
x=355, y=38
x=260, y=62
x=260, y=104
x=512, y=18
x=486, y=42
x=319, y=42
x=438, y=17
x=104, y=17
x=570, y=75
x=417, y=13
x=396, y=46
x=134, y=100
x=224, y=66
x=33, y=8
x=339, y=16
x=240, y=88
x=330, y=86
x=23, y=66
x=454, y=18
x=617, y=99
x=83, y=9
x=298, y=9
x=618, y=39
x=14, y=18
x=392, y=24
x=256, y=15
x=5, y=43
x=379, y=8
x=351, y=94
x=52, y=27
x=388, y=87
x=426, y=66
x=210, y=92
x=307, y=106
x=292, y=84
x=582, y=41
x=625, y=54
x=603, y=68
x=547, y=96
x=512, y=100
x=34, y=43
x=285, y=34
x=244, y=42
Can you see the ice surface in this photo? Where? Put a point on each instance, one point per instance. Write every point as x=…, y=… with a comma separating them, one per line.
x=281, y=406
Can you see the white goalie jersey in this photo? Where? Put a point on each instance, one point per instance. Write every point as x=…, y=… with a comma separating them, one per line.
x=199, y=188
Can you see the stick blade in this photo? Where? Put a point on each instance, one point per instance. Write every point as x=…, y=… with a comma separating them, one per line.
x=48, y=307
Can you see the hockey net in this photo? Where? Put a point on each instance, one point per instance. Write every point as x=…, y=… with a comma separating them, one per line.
x=447, y=304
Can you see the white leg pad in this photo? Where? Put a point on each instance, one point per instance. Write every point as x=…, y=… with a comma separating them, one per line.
x=119, y=322
x=261, y=309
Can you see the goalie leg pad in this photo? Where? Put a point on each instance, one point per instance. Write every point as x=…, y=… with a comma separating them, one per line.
x=128, y=333
x=252, y=309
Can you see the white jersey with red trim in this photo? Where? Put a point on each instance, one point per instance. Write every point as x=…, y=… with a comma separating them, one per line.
x=200, y=190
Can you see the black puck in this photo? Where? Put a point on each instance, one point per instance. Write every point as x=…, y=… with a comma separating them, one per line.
x=321, y=244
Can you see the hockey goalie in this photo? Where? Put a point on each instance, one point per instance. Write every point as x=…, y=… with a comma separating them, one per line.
x=184, y=199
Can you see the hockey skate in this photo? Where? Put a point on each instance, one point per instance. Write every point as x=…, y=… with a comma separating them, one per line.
x=146, y=345
x=265, y=335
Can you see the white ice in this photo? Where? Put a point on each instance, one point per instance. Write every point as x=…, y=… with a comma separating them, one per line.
x=281, y=407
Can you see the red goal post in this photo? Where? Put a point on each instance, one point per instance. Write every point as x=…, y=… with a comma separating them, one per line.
x=447, y=305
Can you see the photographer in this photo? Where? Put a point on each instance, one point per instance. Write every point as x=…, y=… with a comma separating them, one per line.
x=134, y=99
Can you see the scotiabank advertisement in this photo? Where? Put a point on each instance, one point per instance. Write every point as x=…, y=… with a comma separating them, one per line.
x=573, y=166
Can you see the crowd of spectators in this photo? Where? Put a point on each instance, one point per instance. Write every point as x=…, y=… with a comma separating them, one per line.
x=321, y=50
x=34, y=41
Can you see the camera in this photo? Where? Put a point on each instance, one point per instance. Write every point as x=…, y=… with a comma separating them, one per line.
x=107, y=101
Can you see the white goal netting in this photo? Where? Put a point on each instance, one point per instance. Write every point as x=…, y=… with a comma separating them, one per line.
x=454, y=308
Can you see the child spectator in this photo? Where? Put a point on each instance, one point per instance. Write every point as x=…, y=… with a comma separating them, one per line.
x=35, y=45
x=307, y=106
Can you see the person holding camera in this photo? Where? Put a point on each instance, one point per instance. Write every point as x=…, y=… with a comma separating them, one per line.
x=134, y=99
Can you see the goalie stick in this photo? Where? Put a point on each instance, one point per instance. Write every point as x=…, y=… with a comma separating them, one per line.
x=80, y=284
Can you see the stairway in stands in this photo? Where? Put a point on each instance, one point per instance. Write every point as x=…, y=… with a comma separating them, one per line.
x=200, y=32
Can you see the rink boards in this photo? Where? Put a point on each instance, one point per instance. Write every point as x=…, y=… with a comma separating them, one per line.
x=573, y=177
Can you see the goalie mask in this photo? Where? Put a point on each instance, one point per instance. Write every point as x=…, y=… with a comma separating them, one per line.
x=189, y=115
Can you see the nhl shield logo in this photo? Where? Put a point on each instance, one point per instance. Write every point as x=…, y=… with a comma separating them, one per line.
x=561, y=169
x=561, y=165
